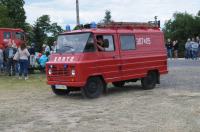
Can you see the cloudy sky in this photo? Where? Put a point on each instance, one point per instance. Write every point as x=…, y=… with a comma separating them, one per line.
x=63, y=11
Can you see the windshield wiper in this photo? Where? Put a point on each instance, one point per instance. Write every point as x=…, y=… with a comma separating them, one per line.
x=70, y=47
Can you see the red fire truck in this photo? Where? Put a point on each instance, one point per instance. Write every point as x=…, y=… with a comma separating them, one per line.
x=131, y=52
x=13, y=35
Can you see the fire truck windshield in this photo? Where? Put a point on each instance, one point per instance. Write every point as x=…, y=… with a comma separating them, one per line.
x=72, y=43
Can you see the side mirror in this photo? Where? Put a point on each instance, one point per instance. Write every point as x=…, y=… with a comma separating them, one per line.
x=105, y=43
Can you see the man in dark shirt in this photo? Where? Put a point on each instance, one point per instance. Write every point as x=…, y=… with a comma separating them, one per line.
x=169, y=47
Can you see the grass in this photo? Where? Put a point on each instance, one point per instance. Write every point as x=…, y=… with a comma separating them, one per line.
x=12, y=83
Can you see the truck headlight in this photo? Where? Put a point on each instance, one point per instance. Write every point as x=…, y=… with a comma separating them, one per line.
x=73, y=72
x=50, y=72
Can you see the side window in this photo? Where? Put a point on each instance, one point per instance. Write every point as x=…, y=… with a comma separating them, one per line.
x=90, y=45
x=19, y=35
x=13, y=35
x=6, y=35
x=105, y=43
x=111, y=46
x=127, y=42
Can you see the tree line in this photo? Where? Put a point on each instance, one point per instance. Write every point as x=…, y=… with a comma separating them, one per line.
x=12, y=15
x=181, y=27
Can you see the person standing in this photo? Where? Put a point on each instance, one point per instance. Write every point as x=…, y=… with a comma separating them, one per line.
x=169, y=47
x=1, y=59
x=23, y=61
x=195, y=48
x=198, y=41
x=16, y=63
x=175, y=48
x=32, y=55
x=9, y=54
x=187, y=48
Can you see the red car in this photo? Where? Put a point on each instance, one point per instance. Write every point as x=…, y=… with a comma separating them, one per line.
x=13, y=35
x=129, y=52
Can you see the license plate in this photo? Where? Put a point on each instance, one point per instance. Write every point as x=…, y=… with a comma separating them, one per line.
x=60, y=87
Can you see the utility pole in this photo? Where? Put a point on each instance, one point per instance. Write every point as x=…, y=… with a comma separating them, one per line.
x=77, y=13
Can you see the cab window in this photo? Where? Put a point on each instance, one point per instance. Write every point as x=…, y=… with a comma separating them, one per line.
x=90, y=45
x=105, y=43
x=19, y=35
x=6, y=35
x=127, y=42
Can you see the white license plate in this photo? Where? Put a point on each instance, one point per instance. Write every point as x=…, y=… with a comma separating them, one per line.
x=60, y=87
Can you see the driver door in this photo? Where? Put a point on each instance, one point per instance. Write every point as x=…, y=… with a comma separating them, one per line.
x=110, y=62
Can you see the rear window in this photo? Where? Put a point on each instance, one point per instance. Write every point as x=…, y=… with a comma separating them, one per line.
x=127, y=42
x=6, y=35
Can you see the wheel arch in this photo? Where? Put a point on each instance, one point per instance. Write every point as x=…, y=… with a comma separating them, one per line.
x=157, y=74
x=102, y=78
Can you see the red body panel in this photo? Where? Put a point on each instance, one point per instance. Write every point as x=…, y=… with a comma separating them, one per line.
x=4, y=41
x=118, y=65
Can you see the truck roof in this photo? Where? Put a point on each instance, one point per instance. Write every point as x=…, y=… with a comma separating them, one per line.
x=111, y=31
x=119, y=27
x=11, y=29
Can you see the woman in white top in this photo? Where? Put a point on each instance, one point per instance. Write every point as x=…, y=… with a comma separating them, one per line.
x=23, y=60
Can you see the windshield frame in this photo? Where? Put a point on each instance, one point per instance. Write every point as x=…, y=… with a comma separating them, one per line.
x=76, y=33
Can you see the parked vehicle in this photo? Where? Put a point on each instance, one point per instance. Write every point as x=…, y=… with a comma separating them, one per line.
x=130, y=52
x=16, y=36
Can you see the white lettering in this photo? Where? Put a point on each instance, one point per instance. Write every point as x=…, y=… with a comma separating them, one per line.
x=72, y=59
x=143, y=41
x=55, y=59
x=59, y=59
x=63, y=59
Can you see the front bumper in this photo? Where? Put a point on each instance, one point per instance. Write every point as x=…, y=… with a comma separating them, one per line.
x=69, y=84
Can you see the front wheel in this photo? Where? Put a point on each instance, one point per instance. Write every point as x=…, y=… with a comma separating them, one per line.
x=60, y=92
x=93, y=88
x=149, y=82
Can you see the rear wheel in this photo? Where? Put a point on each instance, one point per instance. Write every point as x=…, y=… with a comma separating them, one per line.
x=149, y=82
x=60, y=92
x=93, y=88
x=118, y=84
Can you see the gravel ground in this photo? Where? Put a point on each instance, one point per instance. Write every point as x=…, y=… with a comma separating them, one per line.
x=173, y=106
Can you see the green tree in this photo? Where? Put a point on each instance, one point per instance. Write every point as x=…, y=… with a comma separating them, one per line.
x=40, y=31
x=198, y=14
x=45, y=32
x=107, y=18
x=16, y=12
x=55, y=29
x=181, y=27
x=4, y=19
x=29, y=33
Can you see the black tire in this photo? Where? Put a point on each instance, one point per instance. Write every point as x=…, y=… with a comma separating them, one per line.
x=118, y=84
x=149, y=82
x=60, y=92
x=93, y=88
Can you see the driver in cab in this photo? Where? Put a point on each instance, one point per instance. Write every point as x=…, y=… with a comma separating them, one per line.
x=100, y=43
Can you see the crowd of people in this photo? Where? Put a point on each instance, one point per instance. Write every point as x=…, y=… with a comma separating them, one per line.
x=192, y=48
x=17, y=61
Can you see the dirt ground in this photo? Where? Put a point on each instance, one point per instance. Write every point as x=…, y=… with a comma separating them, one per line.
x=173, y=106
